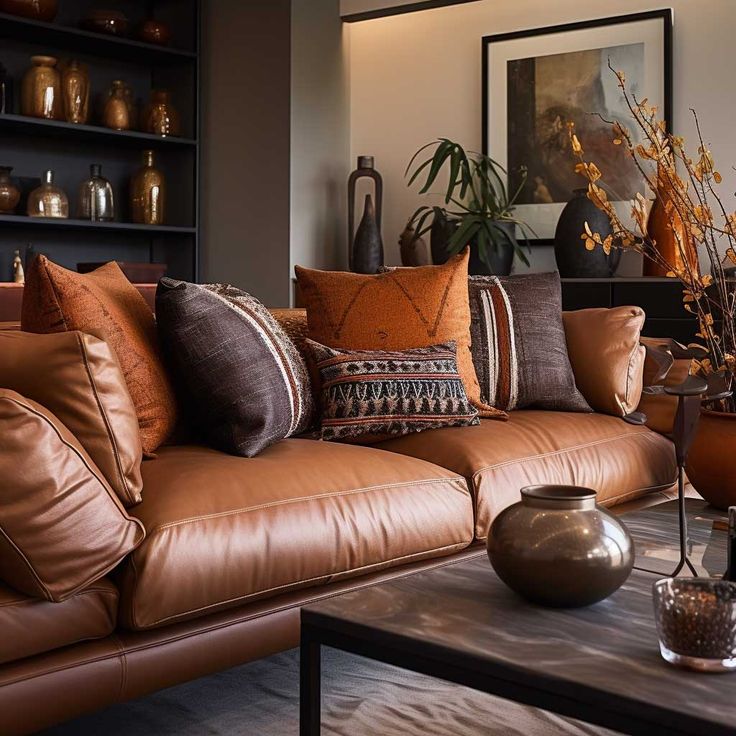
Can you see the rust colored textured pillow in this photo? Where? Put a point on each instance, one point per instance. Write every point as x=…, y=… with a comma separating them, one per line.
x=400, y=309
x=107, y=305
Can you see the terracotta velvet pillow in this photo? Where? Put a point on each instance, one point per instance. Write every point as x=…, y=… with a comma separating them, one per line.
x=107, y=305
x=397, y=310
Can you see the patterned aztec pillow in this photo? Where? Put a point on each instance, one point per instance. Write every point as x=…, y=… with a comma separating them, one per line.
x=371, y=395
x=246, y=380
x=518, y=343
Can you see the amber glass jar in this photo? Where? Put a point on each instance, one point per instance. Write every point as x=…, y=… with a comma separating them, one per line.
x=160, y=117
x=148, y=193
x=41, y=89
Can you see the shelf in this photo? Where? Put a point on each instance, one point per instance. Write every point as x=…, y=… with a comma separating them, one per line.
x=23, y=221
x=58, y=128
x=87, y=42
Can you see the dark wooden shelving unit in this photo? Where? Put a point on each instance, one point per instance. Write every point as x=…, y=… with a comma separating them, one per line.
x=31, y=145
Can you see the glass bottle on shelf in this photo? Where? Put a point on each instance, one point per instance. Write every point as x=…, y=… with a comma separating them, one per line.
x=96, y=201
x=75, y=92
x=6, y=91
x=48, y=200
x=160, y=117
x=41, y=89
x=148, y=193
x=117, y=111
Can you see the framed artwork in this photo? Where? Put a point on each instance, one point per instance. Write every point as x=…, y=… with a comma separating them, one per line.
x=535, y=81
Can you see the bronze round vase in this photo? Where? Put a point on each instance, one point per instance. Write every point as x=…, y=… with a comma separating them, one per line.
x=160, y=117
x=557, y=548
x=711, y=462
x=41, y=89
x=9, y=192
x=148, y=193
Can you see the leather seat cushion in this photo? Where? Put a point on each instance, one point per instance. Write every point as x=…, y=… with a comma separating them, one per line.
x=223, y=530
x=618, y=460
x=31, y=625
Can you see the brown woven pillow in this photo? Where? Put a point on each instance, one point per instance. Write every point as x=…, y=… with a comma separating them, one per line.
x=107, y=305
x=396, y=310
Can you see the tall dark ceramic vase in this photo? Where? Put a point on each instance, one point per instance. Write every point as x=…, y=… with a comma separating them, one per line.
x=367, y=256
x=366, y=170
x=573, y=259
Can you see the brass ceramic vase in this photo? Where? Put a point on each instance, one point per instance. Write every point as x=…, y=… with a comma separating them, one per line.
x=148, y=193
x=117, y=111
x=558, y=548
x=75, y=92
x=41, y=89
x=160, y=117
x=48, y=200
x=35, y=9
x=9, y=192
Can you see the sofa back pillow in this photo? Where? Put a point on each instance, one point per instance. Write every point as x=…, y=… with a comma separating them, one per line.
x=518, y=346
x=245, y=379
x=77, y=377
x=399, y=309
x=61, y=525
x=105, y=303
x=607, y=357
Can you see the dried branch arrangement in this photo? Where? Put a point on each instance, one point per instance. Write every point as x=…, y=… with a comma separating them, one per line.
x=696, y=214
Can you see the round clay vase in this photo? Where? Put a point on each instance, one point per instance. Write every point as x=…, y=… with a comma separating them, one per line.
x=41, y=90
x=9, y=192
x=557, y=548
x=711, y=462
x=35, y=9
x=573, y=259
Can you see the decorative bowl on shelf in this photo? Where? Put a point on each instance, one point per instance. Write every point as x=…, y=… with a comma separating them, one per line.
x=112, y=22
x=35, y=9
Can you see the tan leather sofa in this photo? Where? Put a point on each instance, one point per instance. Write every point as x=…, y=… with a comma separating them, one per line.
x=234, y=546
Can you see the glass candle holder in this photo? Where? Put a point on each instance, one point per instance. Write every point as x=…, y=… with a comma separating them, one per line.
x=696, y=622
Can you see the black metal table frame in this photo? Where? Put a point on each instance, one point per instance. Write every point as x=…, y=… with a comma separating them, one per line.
x=591, y=705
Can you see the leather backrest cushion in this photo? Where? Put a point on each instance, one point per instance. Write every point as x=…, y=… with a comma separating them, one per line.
x=607, y=357
x=77, y=377
x=106, y=304
x=61, y=525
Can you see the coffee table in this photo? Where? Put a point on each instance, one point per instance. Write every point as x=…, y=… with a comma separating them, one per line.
x=599, y=664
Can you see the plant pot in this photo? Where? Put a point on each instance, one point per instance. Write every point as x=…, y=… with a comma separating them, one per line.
x=711, y=462
x=501, y=257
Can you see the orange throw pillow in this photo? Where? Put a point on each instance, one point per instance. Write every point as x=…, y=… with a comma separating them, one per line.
x=106, y=304
x=401, y=309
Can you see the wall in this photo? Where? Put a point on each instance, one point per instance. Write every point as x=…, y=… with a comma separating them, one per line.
x=418, y=76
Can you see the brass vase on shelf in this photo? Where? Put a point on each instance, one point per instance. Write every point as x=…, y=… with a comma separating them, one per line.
x=672, y=239
x=75, y=92
x=41, y=89
x=9, y=192
x=96, y=201
x=148, y=193
x=160, y=117
x=117, y=113
x=35, y=9
x=48, y=200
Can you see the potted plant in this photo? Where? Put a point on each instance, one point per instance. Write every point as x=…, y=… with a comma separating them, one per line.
x=686, y=198
x=478, y=210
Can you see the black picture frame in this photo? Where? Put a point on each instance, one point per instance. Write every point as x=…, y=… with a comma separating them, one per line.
x=663, y=14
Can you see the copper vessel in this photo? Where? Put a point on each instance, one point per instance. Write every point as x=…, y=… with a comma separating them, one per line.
x=75, y=92
x=41, y=89
x=9, y=192
x=148, y=193
x=160, y=116
x=35, y=9
x=673, y=241
x=558, y=548
x=117, y=113
x=48, y=200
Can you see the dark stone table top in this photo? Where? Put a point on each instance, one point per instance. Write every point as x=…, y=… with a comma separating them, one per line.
x=603, y=658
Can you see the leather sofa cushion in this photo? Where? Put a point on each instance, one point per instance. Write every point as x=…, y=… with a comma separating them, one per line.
x=606, y=357
x=223, y=530
x=620, y=461
x=77, y=377
x=30, y=626
x=61, y=525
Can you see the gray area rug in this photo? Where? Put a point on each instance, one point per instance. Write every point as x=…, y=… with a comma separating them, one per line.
x=361, y=698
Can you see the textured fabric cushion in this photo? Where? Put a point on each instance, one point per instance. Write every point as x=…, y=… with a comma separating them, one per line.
x=61, y=525
x=246, y=380
x=77, y=377
x=31, y=626
x=616, y=459
x=106, y=304
x=519, y=346
x=370, y=395
x=300, y=514
x=399, y=309
x=606, y=356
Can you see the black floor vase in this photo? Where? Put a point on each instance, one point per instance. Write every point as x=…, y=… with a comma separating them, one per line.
x=368, y=245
